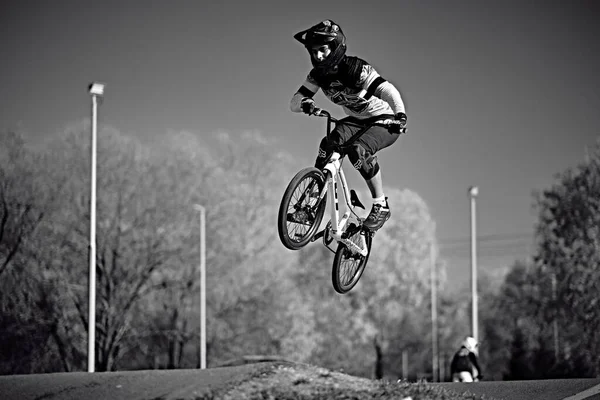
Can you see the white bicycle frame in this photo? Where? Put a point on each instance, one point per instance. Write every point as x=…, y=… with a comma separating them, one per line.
x=338, y=225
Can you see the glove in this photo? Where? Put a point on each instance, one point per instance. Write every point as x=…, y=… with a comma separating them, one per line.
x=308, y=105
x=401, y=125
x=402, y=118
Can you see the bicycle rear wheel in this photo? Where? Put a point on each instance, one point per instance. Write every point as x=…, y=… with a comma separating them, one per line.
x=348, y=267
x=300, y=212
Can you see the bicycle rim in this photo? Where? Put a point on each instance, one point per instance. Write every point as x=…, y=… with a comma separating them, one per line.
x=300, y=213
x=347, y=266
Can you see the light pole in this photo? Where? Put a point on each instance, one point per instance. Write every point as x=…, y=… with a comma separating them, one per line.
x=555, y=319
x=202, y=210
x=473, y=193
x=96, y=90
x=434, y=334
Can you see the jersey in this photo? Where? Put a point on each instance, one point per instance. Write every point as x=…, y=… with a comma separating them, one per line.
x=464, y=360
x=351, y=87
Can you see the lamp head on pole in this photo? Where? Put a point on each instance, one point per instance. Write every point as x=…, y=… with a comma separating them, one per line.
x=473, y=191
x=96, y=89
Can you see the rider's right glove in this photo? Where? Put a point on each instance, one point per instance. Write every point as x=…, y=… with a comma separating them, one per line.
x=308, y=105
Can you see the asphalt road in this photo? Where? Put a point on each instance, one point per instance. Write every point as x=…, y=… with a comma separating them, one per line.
x=556, y=389
x=178, y=384
x=131, y=385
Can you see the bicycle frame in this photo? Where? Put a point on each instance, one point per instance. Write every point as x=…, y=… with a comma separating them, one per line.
x=336, y=174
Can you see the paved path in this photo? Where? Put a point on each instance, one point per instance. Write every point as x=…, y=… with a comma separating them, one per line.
x=556, y=389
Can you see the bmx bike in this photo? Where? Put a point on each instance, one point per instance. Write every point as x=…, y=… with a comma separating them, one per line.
x=303, y=206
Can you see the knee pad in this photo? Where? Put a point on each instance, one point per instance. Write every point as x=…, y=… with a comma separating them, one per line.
x=363, y=161
x=322, y=158
x=323, y=154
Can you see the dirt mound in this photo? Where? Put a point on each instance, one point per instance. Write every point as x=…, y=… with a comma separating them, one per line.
x=291, y=381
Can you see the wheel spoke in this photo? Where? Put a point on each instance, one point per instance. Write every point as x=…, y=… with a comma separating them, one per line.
x=349, y=271
x=299, y=215
x=351, y=268
x=348, y=266
x=298, y=230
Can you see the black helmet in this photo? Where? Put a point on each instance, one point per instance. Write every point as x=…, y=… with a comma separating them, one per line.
x=325, y=32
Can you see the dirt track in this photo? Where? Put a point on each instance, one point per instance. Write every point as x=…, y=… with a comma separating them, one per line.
x=276, y=380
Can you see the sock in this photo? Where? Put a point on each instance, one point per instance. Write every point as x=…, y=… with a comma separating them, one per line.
x=380, y=200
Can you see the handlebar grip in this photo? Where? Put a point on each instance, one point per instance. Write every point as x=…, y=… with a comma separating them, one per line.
x=393, y=126
x=319, y=112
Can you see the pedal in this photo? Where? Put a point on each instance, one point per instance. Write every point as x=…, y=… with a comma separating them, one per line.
x=354, y=248
x=366, y=230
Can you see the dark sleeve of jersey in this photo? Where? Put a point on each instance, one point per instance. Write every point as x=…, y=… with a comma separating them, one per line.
x=453, y=363
x=304, y=91
x=474, y=361
x=373, y=86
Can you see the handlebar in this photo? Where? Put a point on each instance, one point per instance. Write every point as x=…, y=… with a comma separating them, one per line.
x=319, y=112
x=387, y=123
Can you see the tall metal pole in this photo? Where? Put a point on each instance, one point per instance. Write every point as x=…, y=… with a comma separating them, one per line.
x=96, y=90
x=202, y=285
x=434, y=333
x=555, y=319
x=404, y=365
x=473, y=193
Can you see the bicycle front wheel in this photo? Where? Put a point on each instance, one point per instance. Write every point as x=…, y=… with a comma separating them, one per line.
x=300, y=212
x=348, y=267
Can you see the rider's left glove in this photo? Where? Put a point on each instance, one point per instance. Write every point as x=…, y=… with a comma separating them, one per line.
x=308, y=105
x=402, y=118
x=400, y=126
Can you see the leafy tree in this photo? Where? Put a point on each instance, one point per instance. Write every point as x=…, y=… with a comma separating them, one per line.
x=135, y=210
x=568, y=232
x=520, y=365
x=510, y=323
x=397, y=288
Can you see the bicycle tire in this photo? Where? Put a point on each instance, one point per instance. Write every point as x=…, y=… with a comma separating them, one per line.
x=343, y=254
x=294, y=238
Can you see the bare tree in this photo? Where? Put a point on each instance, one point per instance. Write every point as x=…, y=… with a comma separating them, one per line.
x=27, y=198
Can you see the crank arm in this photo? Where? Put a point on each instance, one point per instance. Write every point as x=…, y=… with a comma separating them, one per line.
x=354, y=248
x=318, y=236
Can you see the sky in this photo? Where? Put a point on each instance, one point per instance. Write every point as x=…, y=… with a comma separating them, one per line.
x=499, y=95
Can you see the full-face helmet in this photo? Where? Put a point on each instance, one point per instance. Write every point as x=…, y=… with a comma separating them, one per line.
x=329, y=33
